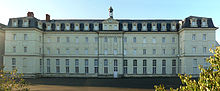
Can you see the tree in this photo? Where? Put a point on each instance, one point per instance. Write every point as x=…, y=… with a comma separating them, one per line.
x=209, y=79
x=12, y=81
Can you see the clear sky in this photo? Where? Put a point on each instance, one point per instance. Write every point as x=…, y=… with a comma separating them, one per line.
x=129, y=9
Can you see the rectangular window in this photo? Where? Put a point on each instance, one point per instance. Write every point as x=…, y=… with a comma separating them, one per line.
x=134, y=62
x=115, y=62
x=86, y=69
x=134, y=70
x=57, y=61
x=125, y=39
x=125, y=63
x=77, y=62
x=164, y=51
x=67, y=61
x=105, y=39
x=77, y=40
x=67, y=69
x=14, y=36
x=115, y=52
x=163, y=40
x=193, y=36
x=48, y=50
x=144, y=70
x=115, y=68
x=125, y=52
x=77, y=51
x=40, y=50
x=194, y=50
x=154, y=62
x=48, y=62
x=204, y=49
x=96, y=62
x=164, y=70
x=105, y=62
x=105, y=52
x=58, y=39
x=134, y=40
x=194, y=70
x=125, y=70
x=87, y=40
x=173, y=70
x=96, y=69
x=76, y=69
x=144, y=40
x=154, y=51
x=25, y=49
x=48, y=69
x=86, y=62
x=115, y=39
x=48, y=40
x=96, y=39
x=163, y=62
x=96, y=51
x=25, y=36
x=58, y=69
x=134, y=51
x=67, y=39
x=58, y=51
x=67, y=51
x=144, y=51
x=173, y=62
x=14, y=49
x=86, y=51
x=106, y=70
x=204, y=37
x=154, y=70
x=144, y=62
x=174, y=52
x=173, y=40
x=13, y=61
x=40, y=38
x=154, y=40
x=195, y=64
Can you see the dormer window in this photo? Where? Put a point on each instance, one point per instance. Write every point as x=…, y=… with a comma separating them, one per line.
x=86, y=27
x=76, y=26
x=14, y=23
x=193, y=22
x=115, y=27
x=173, y=26
x=163, y=27
x=40, y=25
x=125, y=28
x=144, y=27
x=96, y=27
x=25, y=23
x=154, y=27
x=67, y=26
x=204, y=22
x=48, y=26
x=134, y=27
x=57, y=26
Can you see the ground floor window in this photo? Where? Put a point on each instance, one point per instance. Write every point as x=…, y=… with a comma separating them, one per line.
x=115, y=68
x=144, y=70
x=76, y=69
x=134, y=70
x=96, y=69
x=154, y=70
x=173, y=70
x=48, y=69
x=106, y=70
x=163, y=70
x=58, y=69
x=86, y=69
x=67, y=70
x=125, y=70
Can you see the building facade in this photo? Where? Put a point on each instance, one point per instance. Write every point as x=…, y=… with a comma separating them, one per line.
x=107, y=47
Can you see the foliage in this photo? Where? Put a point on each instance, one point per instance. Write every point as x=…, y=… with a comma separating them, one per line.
x=12, y=81
x=209, y=79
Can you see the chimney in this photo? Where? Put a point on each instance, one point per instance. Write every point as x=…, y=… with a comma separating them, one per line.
x=30, y=14
x=47, y=17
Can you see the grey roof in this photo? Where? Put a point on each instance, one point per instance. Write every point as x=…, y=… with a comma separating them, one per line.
x=186, y=22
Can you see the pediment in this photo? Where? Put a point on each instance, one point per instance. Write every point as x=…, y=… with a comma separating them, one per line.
x=110, y=21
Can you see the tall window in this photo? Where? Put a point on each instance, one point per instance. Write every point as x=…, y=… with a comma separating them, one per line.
x=204, y=37
x=134, y=40
x=105, y=39
x=154, y=51
x=194, y=50
x=163, y=66
x=96, y=51
x=173, y=40
x=58, y=65
x=105, y=52
x=87, y=40
x=144, y=40
x=144, y=62
x=76, y=65
x=125, y=52
x=115, y=52
x=25, y=36
x=67, y=39
x=48, y=50
x=58, y=39
x=105, y=66
x=154, y=40
x=173, y=66
x=193, y=36
x=164, y=51
x=105, y=62
x=14, y=36
x=144, y=51
x=67, y=51
x=125, y=39
x=77, y=51
x=86, y=51
x=96, y=39
x=96, y=65
x=163, y=40
x=174, y=51
x=67, y=62
x=125, y=64
x=14, y=49
x=195, y=65
x=115, y=65
x=154, y=66
x=115, y=39
x=48, y=65
x=86, y=66
x=204, y=49
x=57, y=61
x=58, y=51
x=134, y=66
x=25, y=49
x=13, y=61
x=134, y=52
x=77, y=40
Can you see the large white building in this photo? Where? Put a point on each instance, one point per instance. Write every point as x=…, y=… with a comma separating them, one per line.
x=107, y=47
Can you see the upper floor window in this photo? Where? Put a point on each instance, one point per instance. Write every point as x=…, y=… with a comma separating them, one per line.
x=193, y=22
x=67, y=39
x=76, y=26
x=105, y=39
x=174, y=51
x=125, y=52
x=163, y=26
x=57, y=61
x=195, y=63
x=86, y=27
x=134, y=62
x=163, y=40
x=134, y=27
x=134, y=39
x=25, y=23
x=25, y=49
x=144, y=40
x=144, y=51
x=164, y=51
x=96, y=27
x=204, y=23
x=57, y=26
x=77, y=51
x=96, y=39
x=154, y=27
x=67, y=51
x=14, y=36
x=87, y=40
x=154, y=40
x=154, y=51
x=67, y=26
x=105, y=62
x=77, y=40
x=105, y=51
x=193, y=36
x=204, y=49
x=115, y=52
x=86, y=51
x=58, y=39
x=134, y=51
x=115, y=39
x=204, y=37
x=173, y=40
x=48, y=50
x=14, y=49
x=125, y=27
x=14, y=23
x=67, y=62
x=96, y=51
x=144, y=62
x=194, y=50
x=144, y=26
x=173, y=26
x=25, y=36
x=13, y=61
x=125, y=39
x=58, y=51
x=48, y=27
x=154, y=62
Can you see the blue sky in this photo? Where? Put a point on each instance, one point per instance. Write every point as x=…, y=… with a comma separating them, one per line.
x=129, y=9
